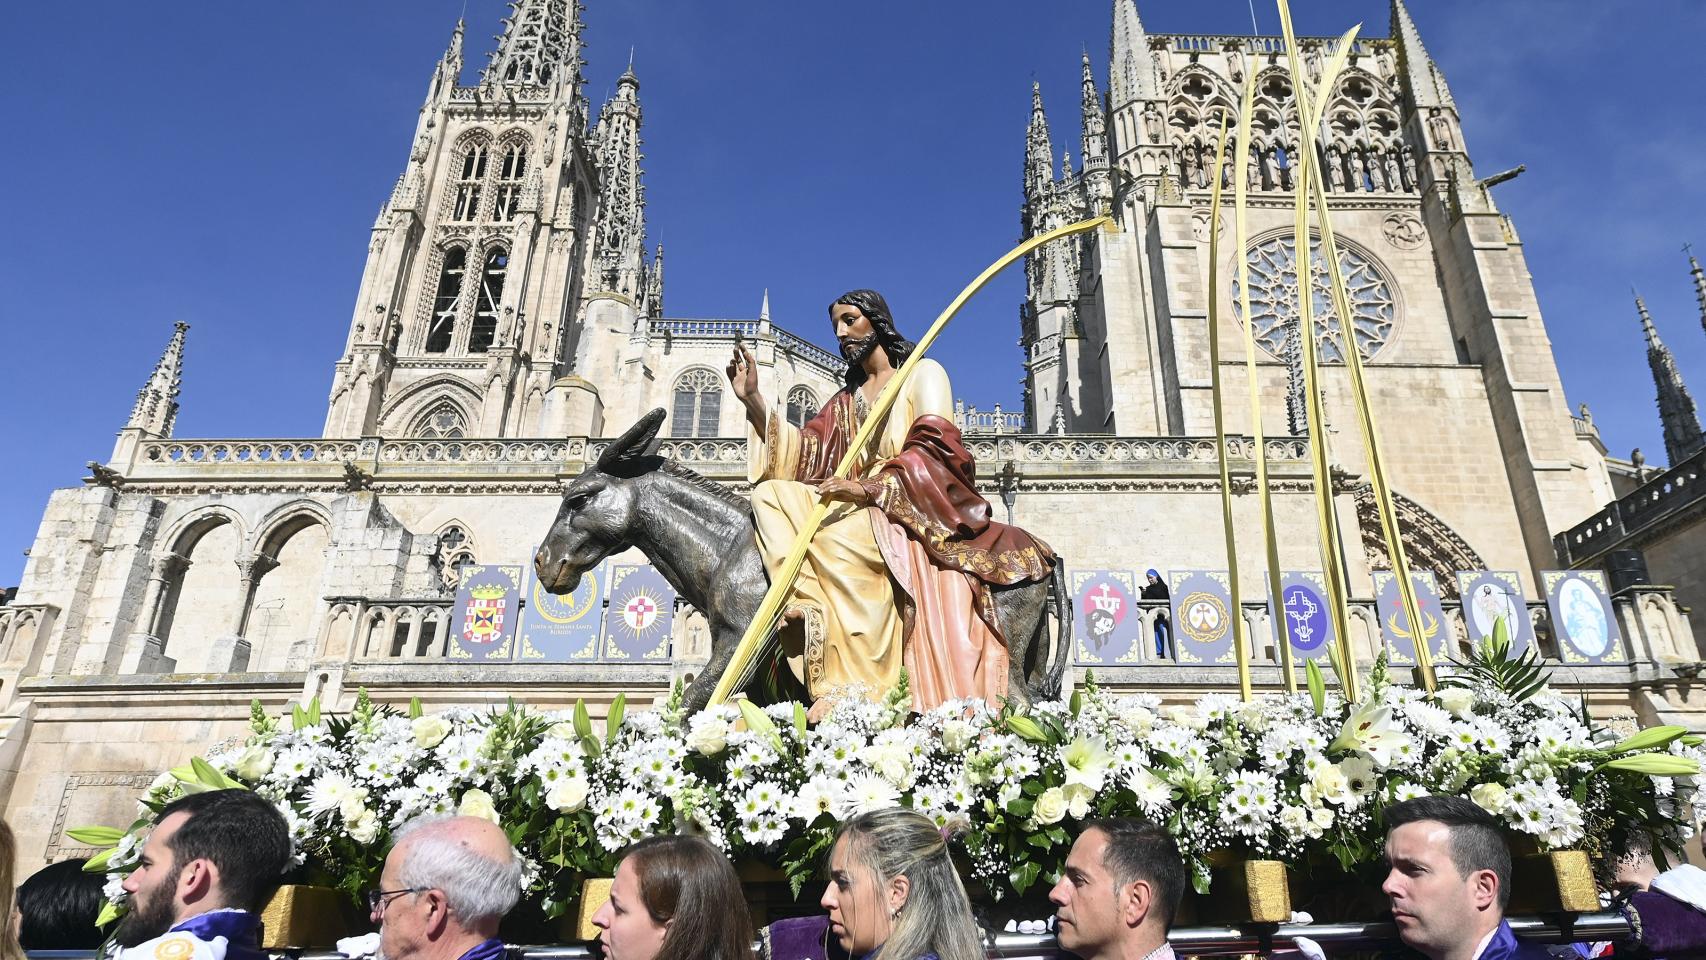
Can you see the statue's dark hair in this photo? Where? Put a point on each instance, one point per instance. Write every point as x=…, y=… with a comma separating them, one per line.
x=1477, y=842
x=876, y=310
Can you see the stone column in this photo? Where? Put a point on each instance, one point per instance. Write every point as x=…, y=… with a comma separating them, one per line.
x=231, y=653
x=145, y=651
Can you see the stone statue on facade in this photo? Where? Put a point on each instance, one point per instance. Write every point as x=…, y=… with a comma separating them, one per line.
x=1439, y=128
x=1152, y=122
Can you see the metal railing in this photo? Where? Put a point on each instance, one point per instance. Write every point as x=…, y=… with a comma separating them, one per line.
x=1666, y=495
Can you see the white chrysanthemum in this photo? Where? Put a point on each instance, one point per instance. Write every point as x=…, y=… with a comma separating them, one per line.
x=867, y=792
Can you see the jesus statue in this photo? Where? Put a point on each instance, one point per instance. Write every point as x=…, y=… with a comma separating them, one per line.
x=902, y=571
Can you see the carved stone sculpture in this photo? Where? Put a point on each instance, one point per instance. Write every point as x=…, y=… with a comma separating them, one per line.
x=699, y=536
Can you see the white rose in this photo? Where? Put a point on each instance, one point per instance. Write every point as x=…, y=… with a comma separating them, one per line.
x=1139, y=719
x=254, y=763
x=1294, y=820
x=429, y=731
x=1078, y=798
x=567, y=796
x=1458, y=701
x=353, y=805
x=1050, y=806
x=1187, y=717
x=1331, y=784
x=1322, y=816
x=365, y=828
x=956, y=736
x=1490, y=797
x=477, y=803
x=708, y=738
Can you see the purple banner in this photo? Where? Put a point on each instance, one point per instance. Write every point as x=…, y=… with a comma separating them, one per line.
x=1582, y=619
x=1303, y=604
x=1395, y=623
x=1106, y=625
x=562, y=628
x=1489, y=595
x=1203, y=618
x=488, y=605
x=641, y=614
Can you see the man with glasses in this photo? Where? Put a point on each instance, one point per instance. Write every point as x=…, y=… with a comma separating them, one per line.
x=205, y=870
x=447, y=883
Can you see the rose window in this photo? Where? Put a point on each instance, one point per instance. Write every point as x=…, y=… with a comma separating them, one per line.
x=1274, y=303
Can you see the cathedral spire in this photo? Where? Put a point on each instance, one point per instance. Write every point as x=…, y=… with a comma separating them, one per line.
x=1131, y=70
x=1683, y=436
x=1699, y=285
x=541, y=44
x=1094, y=121
x=619, y=251
x=156, y=406
x=1039, y=150
x=1422, y=79
x=764, y=308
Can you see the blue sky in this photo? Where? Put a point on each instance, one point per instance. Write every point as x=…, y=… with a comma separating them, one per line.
x=222, y=164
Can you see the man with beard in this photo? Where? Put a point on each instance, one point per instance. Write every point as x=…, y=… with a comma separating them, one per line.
x=902, y=570
x=205, y=870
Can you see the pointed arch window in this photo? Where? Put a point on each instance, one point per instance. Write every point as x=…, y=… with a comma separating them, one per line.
x=469, y=182
x=510, y=174
x=802, y=405
x=444, y=420
x=447, y=302
x=455, y=551
x=698, y=404
x=487, y=301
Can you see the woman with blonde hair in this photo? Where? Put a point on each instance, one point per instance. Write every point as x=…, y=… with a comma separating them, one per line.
x=893, y=893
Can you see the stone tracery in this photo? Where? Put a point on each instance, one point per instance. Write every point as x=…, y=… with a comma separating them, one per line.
x=1274, y=293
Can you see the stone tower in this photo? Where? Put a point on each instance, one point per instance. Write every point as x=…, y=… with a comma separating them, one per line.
x=1115, y=329
x=1683, y=436
x=509, y=217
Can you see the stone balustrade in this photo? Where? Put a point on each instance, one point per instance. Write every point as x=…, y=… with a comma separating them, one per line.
x=992, y=437
x=1666, y=495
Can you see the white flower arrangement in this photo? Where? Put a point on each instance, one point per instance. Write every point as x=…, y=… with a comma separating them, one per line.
x=1299, y=777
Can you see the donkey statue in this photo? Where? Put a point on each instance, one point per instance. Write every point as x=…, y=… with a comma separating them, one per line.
x=699, y=536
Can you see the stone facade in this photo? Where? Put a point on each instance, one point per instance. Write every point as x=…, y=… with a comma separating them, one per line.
x=509, y=316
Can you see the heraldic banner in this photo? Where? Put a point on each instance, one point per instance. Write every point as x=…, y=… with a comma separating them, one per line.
x=1203, y=616
x=1582, y=618
x=1106, y=626
x=1303, y=603
x=562, y=628
x=1395, y=623
x=641, y=615
x=1491, y=594
x=482, y=624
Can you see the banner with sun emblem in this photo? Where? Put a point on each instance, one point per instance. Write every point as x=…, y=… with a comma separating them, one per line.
x=562, y=628
x=1395, y=625
x=641, y=614
x=1106, y=623
x=482, y=623
x=1491, y=594
x=1202, y=616
x=1582, y=619
x=1303, y=604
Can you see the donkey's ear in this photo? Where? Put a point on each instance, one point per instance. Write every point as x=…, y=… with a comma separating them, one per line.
x=641, y=440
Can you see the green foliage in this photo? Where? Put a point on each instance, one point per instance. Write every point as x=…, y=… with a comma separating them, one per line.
x=1317, y=686
x=1490, y=664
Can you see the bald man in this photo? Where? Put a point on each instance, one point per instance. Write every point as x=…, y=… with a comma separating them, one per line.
x=447, y=883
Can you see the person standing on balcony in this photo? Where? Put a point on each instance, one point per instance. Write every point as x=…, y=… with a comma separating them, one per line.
x=1155, y=588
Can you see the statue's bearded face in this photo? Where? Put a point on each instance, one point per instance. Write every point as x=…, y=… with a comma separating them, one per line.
x=854, y=332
